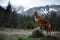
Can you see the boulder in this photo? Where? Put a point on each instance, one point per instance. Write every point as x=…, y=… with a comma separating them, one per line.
x=37, y=32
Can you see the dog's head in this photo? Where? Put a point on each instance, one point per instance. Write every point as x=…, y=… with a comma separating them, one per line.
x=35, y=13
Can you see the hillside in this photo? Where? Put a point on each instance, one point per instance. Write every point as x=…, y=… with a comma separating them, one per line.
x=42, y=9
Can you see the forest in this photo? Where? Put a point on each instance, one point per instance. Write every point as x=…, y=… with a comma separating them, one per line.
x=11, y=19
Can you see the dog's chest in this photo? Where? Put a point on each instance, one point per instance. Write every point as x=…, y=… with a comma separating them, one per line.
x=35, y=19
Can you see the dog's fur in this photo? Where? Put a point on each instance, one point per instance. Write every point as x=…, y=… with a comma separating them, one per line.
x=39, y=20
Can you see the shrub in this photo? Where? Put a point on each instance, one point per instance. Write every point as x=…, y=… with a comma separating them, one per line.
x=30, y=25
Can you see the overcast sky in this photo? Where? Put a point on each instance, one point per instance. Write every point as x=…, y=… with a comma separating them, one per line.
x=29, y=3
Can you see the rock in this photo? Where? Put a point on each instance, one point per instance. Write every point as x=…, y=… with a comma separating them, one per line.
x=37, y=33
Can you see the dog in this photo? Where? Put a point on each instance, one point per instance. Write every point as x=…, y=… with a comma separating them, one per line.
x=41, y=21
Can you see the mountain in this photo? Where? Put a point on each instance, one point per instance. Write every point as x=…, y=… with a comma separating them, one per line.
x=42, y=9
x=57, y=7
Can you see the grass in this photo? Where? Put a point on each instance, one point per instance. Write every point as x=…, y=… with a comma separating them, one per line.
x=17, y=37
x=24, y=37
x=57, y=35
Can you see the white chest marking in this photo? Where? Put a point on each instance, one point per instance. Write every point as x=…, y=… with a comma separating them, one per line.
x=35, y=18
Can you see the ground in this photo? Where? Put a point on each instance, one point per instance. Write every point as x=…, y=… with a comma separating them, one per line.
x=22, y=31
x=21, y=34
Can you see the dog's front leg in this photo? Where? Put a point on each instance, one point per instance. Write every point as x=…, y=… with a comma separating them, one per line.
x=38, y=25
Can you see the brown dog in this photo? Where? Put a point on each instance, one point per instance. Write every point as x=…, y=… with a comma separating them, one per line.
x=39, y=20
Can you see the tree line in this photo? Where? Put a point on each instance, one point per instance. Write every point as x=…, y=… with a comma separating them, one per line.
x=11, y=19
x=54, y=19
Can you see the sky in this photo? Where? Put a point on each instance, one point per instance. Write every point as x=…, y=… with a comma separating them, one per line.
x=29, y=3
